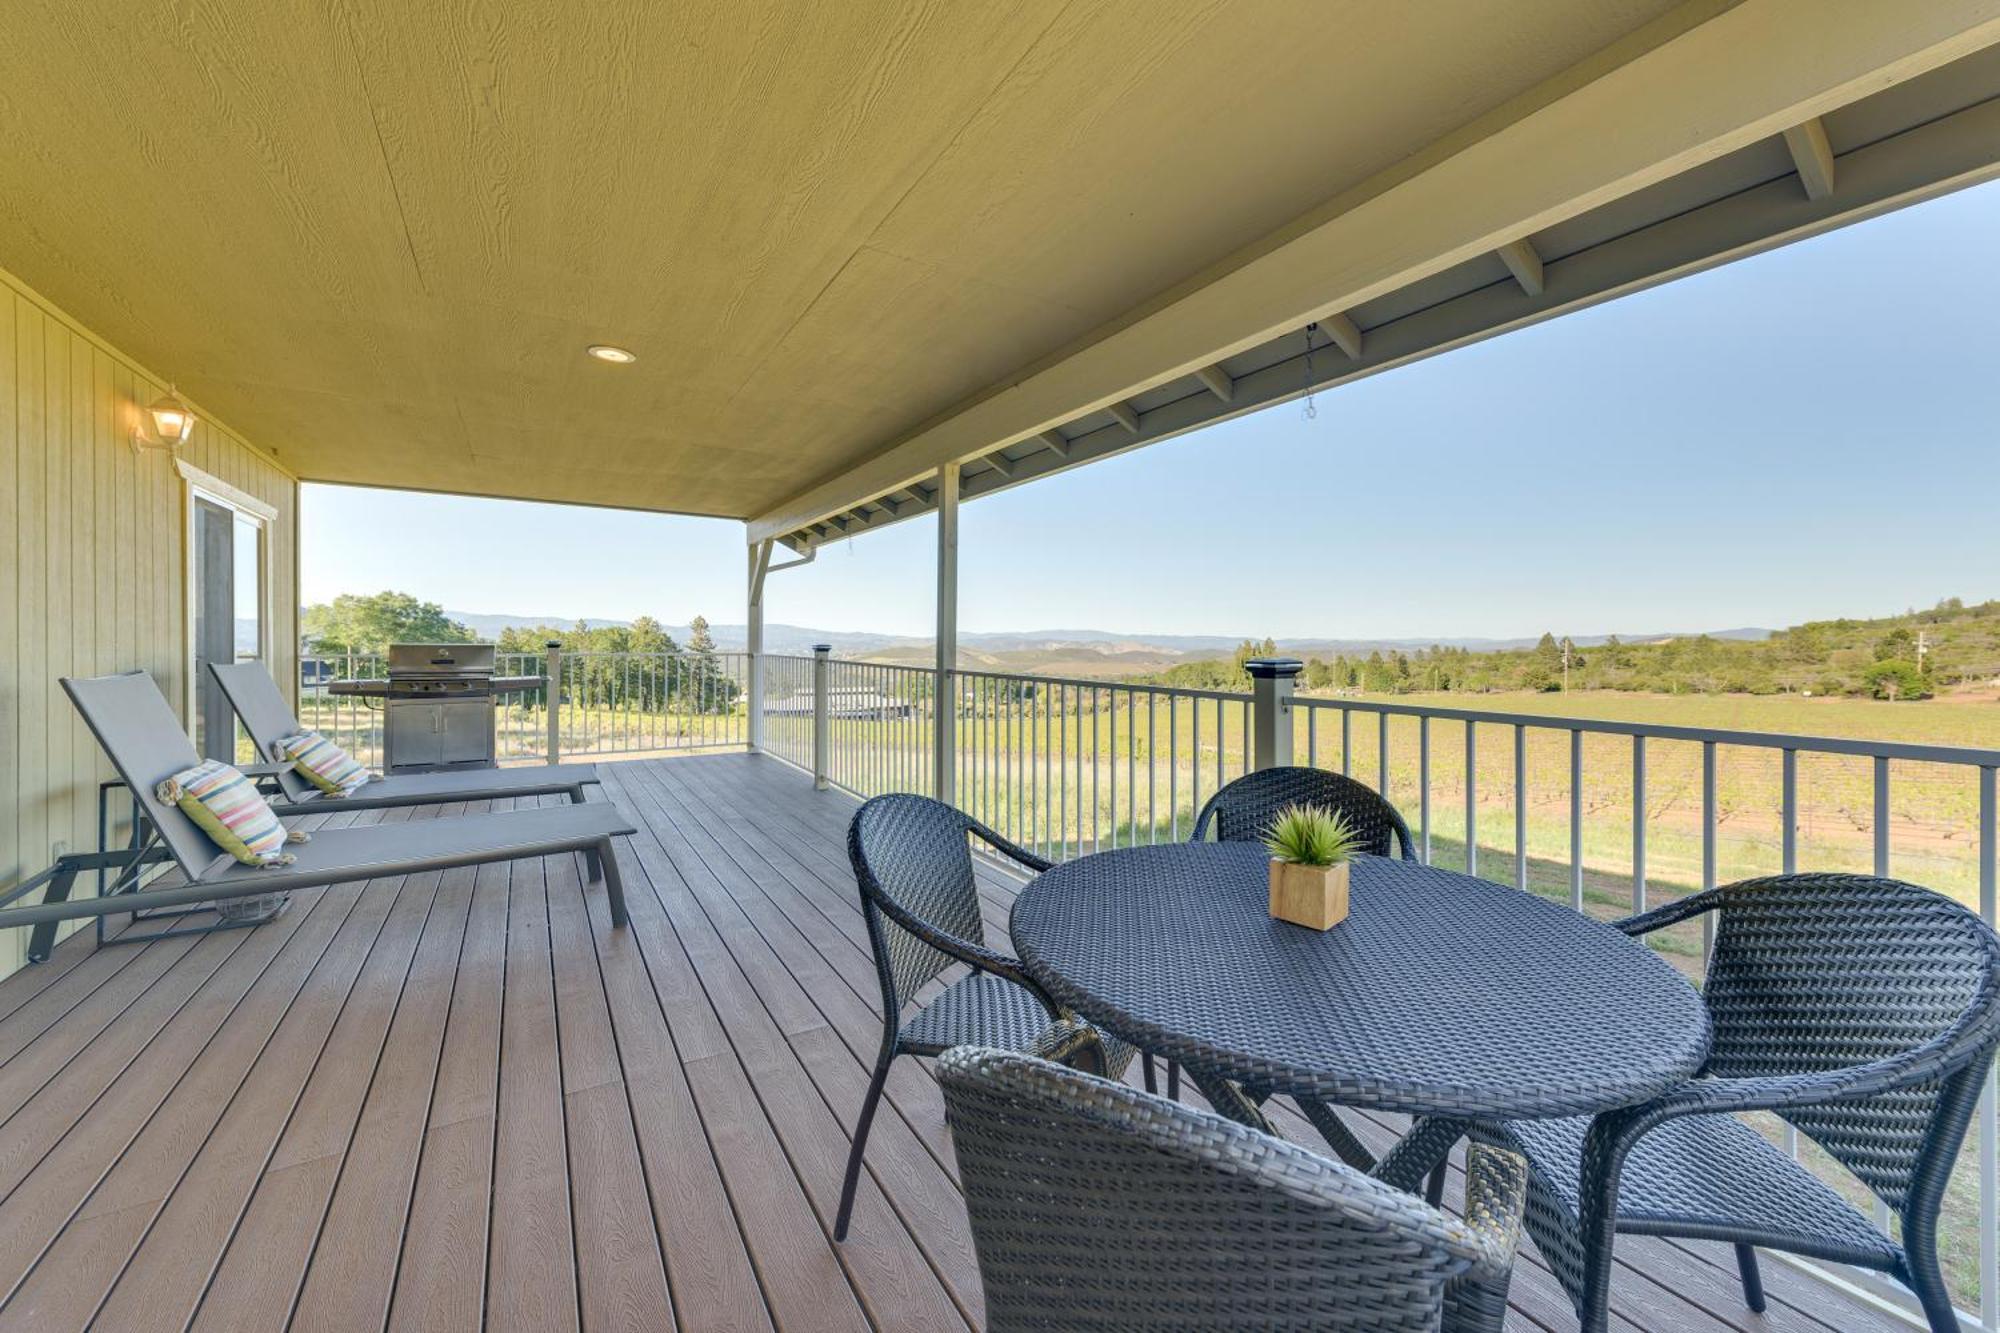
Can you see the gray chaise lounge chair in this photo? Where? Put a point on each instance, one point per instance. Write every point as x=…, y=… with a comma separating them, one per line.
x=268, y=719
x=146, y=744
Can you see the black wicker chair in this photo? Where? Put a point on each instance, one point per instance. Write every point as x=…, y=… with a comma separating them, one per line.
x=1863, y=1011
x=1096, y=1206
x=1242, y=810
x=913, y=859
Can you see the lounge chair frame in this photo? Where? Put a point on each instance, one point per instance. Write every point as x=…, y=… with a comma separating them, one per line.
x=144, y=740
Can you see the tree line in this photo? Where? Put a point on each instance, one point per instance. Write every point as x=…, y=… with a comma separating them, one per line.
x=1905, y=657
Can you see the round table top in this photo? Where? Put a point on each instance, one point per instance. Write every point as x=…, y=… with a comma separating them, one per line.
x=1440, y=994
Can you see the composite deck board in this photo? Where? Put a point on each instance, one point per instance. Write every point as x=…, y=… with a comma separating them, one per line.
x=836, y=974
x=290, y=1219
x=835, y=1036
x=255, y=987
x=464, y=1100
x=531, y=1262
x=261, y=1067
x=440, y=1279
x=888, y=1275
x=796, y=912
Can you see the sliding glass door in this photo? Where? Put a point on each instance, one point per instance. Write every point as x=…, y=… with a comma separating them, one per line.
x=226, y=595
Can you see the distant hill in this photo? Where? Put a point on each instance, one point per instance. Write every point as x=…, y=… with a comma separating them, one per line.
x=1951, y=645
x=1091, y=654
x=1907, y=656
x=798, y=640
x=1044, y=640
x=1102, y=653
x=490, y=626
x=1052, y=651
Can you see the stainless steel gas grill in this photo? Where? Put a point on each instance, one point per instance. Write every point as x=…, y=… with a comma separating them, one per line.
x=437, y=705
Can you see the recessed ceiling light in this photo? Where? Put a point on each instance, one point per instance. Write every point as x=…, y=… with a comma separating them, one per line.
x=617, y=356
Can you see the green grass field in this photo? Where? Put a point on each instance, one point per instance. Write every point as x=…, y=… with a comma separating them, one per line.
x=1933, y=808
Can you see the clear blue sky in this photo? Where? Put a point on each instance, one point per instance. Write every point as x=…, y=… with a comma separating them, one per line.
x=1809, y=433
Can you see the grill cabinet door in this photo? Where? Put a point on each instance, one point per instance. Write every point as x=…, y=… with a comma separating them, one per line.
x=415, y=740
x=465, y=730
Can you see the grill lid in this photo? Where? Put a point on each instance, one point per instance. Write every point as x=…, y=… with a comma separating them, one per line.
x=435, y=661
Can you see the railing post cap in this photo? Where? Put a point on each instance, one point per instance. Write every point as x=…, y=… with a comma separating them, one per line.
x=822, y=647
x=553, y=643
x=1273, y=668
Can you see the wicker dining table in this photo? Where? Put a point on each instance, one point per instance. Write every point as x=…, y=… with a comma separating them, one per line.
x=1449, y=998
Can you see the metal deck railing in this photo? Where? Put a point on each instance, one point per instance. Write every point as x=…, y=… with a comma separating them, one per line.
x=1610, y=816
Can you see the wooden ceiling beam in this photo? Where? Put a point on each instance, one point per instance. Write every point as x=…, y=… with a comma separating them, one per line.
x=1526, y=265
x=1813, y=156
x=1216, y=380
x=1344, y=332
x=1123, y=414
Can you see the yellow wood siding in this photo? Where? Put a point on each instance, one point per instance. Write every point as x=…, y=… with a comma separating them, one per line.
x=92, y=566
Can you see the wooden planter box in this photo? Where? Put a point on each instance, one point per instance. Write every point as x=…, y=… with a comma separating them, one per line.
x=1314, y=896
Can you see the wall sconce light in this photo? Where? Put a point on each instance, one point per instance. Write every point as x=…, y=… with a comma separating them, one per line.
x=173, y=422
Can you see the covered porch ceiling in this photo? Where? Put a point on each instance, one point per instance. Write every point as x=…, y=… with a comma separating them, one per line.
x=851, y=244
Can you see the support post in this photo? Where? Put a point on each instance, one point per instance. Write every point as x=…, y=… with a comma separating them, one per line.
x=760, y=565
x=822, y=728
x=552, y=668
x=1272, y=683
x=944, y=716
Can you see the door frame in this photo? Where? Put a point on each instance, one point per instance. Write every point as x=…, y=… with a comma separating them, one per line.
x=199, y=485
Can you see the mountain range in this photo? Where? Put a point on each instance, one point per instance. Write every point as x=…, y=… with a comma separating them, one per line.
x=1079, y=651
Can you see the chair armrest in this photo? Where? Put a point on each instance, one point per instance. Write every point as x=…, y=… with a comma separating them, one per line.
x=1201, y=819
x=1969, y=1038
x=1073, y=1043
x=264, y=777
x=1011, y=851
x=1496, y=1183
x=1937, y=1058
x=1669, y=914
x=965, y=951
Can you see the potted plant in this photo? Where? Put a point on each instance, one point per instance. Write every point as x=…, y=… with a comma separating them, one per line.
x=1310, y=847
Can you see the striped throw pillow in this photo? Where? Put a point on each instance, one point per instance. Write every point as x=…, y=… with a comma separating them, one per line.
x=228, y=809
x=322, y=763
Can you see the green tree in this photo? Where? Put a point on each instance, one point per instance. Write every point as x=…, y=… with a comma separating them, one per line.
x=1897, y=644
x=711, y=689
x=369, y=623
x=1246, y=650
x=647, y=635
x=1896, y=678
x=1802, y=644
x=1543, y=669
x=651, y=667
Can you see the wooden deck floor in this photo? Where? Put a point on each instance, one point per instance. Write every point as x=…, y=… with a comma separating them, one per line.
x=462, y=1099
